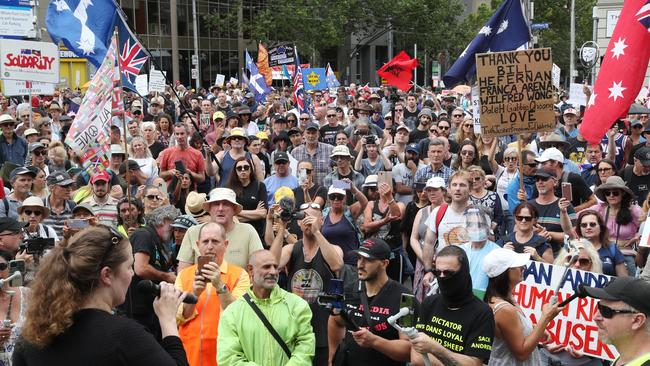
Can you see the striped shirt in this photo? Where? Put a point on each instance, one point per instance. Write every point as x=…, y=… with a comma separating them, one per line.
x=106, y=212
x=320, y=159
x=57, y=219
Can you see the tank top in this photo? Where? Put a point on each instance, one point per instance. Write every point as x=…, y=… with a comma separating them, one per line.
x=389, y=232
x=422, y=227
x=226, y=166
x=342, y=234
x=501, y=354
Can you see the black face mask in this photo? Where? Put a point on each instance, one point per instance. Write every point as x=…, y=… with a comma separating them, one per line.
x=457, y=289
x=415, y=160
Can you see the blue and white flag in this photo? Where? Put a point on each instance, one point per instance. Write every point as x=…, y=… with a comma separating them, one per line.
x=332, y=82
x=507, y=30
x=84, y=26
x=256, y=84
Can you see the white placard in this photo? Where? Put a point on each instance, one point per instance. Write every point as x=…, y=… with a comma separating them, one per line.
x=645, y=236
x=17, y=21
x=18, y=87
x=219, y=80
x=194, y=74
x=476, y=109
x=576, y=96
x=156, y=81
x=29, y=61
x=142, y=84
x=233, y=81
x=556, y=76
x=643, y=94
x=612, y=18
x=77, y=78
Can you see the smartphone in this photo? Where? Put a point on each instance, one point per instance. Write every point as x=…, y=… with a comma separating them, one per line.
x=203, y=260
x=385, y=177
x=566, y=191
x=205, y=120
x=17, y=265
x=407, y=301
x=178, y=165
x=341, y=184
x=78, y=224
x=302, y=178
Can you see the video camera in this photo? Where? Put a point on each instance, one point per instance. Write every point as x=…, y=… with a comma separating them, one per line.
x=287, y=208
x=36, y=246
x=334, y=300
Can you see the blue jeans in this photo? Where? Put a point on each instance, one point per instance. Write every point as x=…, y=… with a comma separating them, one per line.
x=631, y=265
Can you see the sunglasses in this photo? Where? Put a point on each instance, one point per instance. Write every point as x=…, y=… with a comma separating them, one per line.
x=612, y=193
x=309, y=170
x=305, y=206
x=604, y=170
x=637, y=126
x=443, y=127
x=336, y=197
x=467, y=153
x=30, y=213
x=153, y=197
x=243, y=168
x=531, y=165
x=457, y=115
x=304, y=119
x=584, y=262
x=4, y=266
x=443, y=273
x=510, y=158
x=433, y=130
x=137, y=113
x=585, y=225
x=39, y=152
x=542, y=179
x=609, y=313
x=281, y=162
x=524, y=218
x=468, y=125
x=398, y=110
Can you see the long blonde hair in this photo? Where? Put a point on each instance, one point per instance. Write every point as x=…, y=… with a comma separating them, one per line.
x=582, y=244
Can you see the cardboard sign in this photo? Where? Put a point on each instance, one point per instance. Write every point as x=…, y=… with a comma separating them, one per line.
x=577, y=96
x=233, y=81
x=476, y=110
x=516, y=91
x=219, y=80
x=14, y=88
x=575, y=325
x=156, y=81
x=645, y=235
x=142, y=84
x=29, y=61
x=556, y=76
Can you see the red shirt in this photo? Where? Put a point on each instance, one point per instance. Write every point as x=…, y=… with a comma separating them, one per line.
x=191, y=157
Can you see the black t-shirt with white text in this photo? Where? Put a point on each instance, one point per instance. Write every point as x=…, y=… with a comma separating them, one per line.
x=468, y=330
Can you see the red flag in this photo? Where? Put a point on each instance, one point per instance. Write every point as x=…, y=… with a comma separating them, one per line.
x=622, y=72
x=263, y=64
x=399, y=71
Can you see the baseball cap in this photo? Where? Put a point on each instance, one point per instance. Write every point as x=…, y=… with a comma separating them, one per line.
x=412, y=147
x=570, y=111
x=632, y=291
x=551, y=154
x=133, y=166
x=280, y=156
x=117, y=149
x=402, y=126
x=294, y=130
x=184, y=222
x=643, y=154
x=500, y=260
x=83, y=206
x=35, y=145
x=284, y=192
x=136, y=104
x=333, y=190
x=103, y=175
x=435, y=182
x=249, y=95
x=636, y=122
x=312, y=126
x=30, y=131
x=374, y=248
x=9, y=224
x=20, y=171
x=218, y=115
x=544, y=173
x=59, y=178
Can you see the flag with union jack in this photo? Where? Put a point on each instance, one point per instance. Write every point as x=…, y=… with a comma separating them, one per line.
x=132, y=54
x=299, y=88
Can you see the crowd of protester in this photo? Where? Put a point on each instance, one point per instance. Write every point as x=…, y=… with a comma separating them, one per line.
x=246, y=212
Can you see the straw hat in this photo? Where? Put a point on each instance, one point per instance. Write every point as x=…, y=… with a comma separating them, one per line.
x=613, y=182
x=223, y=194
x=194, y=204
x=34, y=201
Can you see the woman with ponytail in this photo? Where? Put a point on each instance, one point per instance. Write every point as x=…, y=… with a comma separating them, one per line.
x=70, y=318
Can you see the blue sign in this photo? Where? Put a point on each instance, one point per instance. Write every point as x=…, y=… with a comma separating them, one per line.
x=539, y=26
x=314, y=78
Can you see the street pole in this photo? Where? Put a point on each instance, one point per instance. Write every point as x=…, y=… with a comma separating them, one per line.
x=390, y=40
x=594, y=35
x=573, y=42
x=196, y=46
x=415, y=72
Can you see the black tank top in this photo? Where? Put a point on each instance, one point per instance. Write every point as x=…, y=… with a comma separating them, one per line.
x=389, y=232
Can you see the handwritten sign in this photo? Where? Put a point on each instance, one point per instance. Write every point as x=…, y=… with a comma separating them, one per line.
x=516, y=91
x=577, y=95
x=219, y=80
x=157, y=81
x=142, y=84
x=575, y=325
x=556, y=76
x=476, y=110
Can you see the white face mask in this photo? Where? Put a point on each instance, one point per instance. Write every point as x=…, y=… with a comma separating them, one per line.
x=476, y=225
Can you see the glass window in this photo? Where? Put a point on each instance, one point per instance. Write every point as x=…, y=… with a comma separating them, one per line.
x=153, y=17
x=183, y=20
x=184, y=67
x=141, y=17
x=165, y=18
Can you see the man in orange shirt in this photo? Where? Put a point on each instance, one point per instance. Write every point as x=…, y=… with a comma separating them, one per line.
x=216, y=286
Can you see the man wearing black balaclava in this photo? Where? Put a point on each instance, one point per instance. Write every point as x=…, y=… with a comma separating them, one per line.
x=455, y=327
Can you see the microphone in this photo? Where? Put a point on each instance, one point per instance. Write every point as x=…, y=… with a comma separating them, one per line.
x=15, y=275
x=580, y=292
x=148, y=287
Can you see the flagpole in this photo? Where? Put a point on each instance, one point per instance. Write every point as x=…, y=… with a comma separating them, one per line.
x=126, y=149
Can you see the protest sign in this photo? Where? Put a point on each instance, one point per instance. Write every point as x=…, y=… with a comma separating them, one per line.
x=17, y=87
x=156, y=81
x=476, y=110
x=282, y=54
x=142, y=84
x=29, y=61
x=645, y=236
x=577, y=96
x=315, y=78
x=575, y=325
x=516, y=91
x=219, y=80
x=233, y=81
x=556, y=76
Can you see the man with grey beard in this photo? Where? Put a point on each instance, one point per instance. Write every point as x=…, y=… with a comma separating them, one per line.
x=242, y=330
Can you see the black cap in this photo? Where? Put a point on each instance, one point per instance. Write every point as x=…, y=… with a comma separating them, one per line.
x=9, y=224
x=280, y=156
x=632, y=291
x=59, y=178
x=312, y=126
x=544, y=173
x=133, y=166
x=643, y=154
x=375, y=248
x=279, y=118
x=282, y=136
x=20, y=171
x=294, y=130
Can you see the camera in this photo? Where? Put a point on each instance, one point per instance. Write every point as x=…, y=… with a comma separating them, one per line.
x=287, y=208
x=36, y=245
x=334, y=300
x=371, y=140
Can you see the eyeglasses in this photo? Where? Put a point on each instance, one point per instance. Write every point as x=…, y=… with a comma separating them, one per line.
x=612, y=193
x=443, y=273
x=585, y=225
x=433, y=130
x=467, y=125
x=609, y=313
x=604, y=170
x=637, y=126
x=4, y=266
x=467, y=153
x=399, y=110
x=39, y=152
x=291, y=120
x=243, y=168
x=457, y=115
x=30, y=213
x=477, y=179
x=524, y=218
x=305, y=206
x=331, y=115
x=584, y=262
x=510, y=158
x=336, y=197
x=304, y=119
x=281, y=162
x=153, y=197
x=309, y=171
x=340, y=157
x=531, y=165
x=443, y=127
x=542, y=179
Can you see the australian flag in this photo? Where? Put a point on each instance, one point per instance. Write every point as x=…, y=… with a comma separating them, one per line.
x=330, y=77
x=86, y=26
x=505, y=31
x=256, y=83
x=299, y=88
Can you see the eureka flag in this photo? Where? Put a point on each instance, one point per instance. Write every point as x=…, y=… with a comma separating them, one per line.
x=256, y=85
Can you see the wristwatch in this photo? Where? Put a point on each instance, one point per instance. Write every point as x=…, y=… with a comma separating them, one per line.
x=222, y=290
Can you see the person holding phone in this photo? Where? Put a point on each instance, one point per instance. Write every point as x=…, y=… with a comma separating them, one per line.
x=369, y=302
x=216, y=283
x=13, y=301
